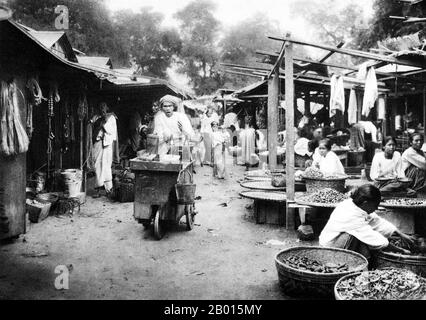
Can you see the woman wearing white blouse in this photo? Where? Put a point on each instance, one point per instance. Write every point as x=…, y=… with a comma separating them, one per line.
x=387, y=164
x=326, y=160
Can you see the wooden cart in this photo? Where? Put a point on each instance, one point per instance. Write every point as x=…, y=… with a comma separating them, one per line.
x=155, y=194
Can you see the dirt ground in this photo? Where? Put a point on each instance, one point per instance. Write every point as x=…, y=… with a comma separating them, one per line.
x=111, y=256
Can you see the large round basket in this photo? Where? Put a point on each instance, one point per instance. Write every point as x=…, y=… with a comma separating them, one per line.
x=296, y=283
x=339, y=297
x=315, y=184
x=416, y=264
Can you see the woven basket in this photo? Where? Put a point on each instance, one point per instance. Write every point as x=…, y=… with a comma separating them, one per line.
x=304, y=283
x=126, y=191
x=416, y=264
x=316, y=184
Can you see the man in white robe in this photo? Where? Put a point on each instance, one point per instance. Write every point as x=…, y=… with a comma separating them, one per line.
x=170, y=126
x=105, y=138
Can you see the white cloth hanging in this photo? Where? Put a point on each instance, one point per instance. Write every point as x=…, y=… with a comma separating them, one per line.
x=371, y=92
x=315, y=107
x=337, y=95
x=381, y=109
x=352, y=108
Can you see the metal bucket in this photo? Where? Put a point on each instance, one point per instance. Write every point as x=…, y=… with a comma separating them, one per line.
x=72, y=181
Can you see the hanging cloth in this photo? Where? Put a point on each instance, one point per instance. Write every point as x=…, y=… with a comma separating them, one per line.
x=337, y=95
x=371, y=92
x=315, y=107
x=352, y=108
x=381, y=109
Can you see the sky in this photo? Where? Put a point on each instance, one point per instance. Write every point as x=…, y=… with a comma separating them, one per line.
x=230, y=12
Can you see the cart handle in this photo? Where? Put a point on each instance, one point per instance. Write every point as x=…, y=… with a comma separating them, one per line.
x=191, y=174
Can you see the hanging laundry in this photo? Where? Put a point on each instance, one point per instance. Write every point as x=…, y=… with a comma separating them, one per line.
x=337, y=95
x=352, y=108
x=315, y=107
x=381, y=109
x=300, y=105
x=371, y=92
x=362, y=71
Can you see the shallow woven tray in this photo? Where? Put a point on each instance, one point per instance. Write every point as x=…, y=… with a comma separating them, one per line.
x=256, y=173
x=266, y=196
x=264, y=178
x=401, y=206
x=302, y=201
x=260, y=185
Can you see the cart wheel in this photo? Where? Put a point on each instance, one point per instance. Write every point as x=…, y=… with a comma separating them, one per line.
x=146, y=224
x=189, y=214
x=158, y=226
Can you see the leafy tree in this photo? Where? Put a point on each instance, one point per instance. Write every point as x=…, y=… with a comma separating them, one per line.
x=199, y=56
x=151, y=47
x=241, y=42
x=383, y=27
x=333, y=23
x=90, y=25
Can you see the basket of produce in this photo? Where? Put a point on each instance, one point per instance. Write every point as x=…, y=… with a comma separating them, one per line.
x=315, y=180
x=313, y=271
x=381, y=284
x=415, y=261
x=327, y=198
x=38, y=210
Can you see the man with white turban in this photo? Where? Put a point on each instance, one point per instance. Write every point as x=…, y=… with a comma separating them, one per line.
x=170, y=126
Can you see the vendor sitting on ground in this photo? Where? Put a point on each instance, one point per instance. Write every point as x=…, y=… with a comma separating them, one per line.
x=387, y=164
x=355, y=226
x=326, y=160
x=413, y=162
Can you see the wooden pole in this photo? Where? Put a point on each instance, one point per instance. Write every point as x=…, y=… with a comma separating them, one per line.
x=273, y=96
x=289, y=99
x=424, y=110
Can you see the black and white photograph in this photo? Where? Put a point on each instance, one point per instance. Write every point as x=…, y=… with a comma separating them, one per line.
x=223, y=152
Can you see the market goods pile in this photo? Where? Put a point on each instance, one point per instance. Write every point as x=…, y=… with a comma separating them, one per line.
x=326, y=195
x=304, y=263
x=418, y=248
x=405, y=202
x=386, y=284
x=312, y=173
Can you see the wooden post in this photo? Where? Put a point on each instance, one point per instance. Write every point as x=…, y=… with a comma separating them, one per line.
x=289, y=99
x=385, y=120
x=424, y=109
x=273, y=95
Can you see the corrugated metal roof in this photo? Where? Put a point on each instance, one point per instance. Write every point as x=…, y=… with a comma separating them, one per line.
x=95, y=61
x=48, y=38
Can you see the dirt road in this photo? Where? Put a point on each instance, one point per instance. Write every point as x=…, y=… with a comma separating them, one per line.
x=111, y=256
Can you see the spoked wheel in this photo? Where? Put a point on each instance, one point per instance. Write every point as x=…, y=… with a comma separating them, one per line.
x=190, y=216
x=159, y=230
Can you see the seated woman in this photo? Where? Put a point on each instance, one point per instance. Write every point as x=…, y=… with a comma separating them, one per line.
x=326, y=160
x=301, y=147
x=355, y=226
x=413, y=162
x=387, y=164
